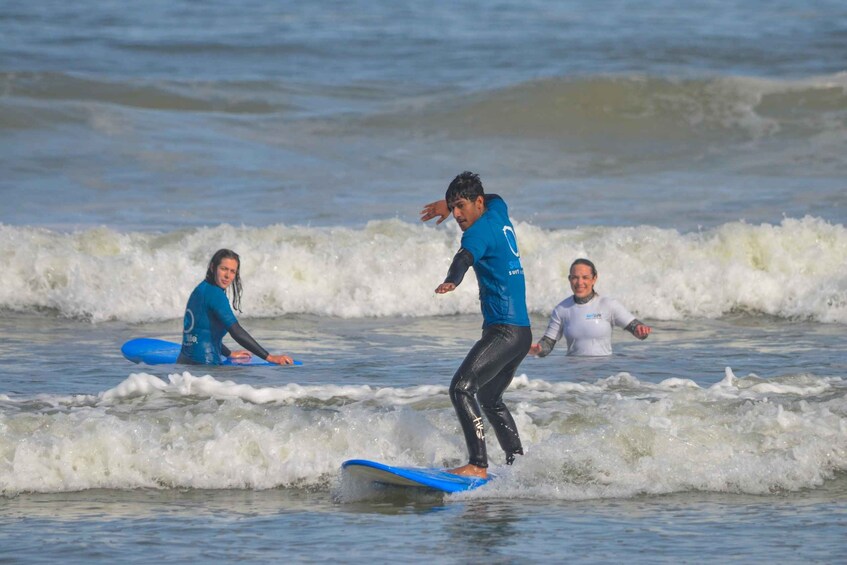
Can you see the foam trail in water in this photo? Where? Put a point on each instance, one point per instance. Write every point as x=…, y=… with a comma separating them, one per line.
x=615, y=437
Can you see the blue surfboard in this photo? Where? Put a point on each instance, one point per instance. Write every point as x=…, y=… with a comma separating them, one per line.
x=161, y=352
x=420, y=477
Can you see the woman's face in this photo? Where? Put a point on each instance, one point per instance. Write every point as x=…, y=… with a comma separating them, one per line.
x=582, y=281
x=225, y=273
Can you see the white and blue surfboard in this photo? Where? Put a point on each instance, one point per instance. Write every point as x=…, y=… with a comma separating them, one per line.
x=419, y=477
x=161, y=352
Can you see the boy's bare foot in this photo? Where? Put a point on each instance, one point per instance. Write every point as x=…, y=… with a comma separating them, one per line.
x=470, y=471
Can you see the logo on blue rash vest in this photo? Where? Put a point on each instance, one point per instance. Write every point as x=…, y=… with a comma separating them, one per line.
x=187, y=327
x=512, y=240
x=188, y=321
x=515, y=267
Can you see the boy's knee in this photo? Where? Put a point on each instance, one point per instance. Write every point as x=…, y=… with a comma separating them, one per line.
x=463, y=384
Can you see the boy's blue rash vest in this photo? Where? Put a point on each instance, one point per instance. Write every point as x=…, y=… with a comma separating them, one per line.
x=497, y=264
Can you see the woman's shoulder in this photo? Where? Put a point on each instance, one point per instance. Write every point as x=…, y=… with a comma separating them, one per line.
x=200, y=289
x=566, y=303
x=211, y=292
x=607, y=303
x=597, y=302
x=209, y=287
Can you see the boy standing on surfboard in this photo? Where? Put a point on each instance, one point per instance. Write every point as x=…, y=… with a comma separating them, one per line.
x=489, y=246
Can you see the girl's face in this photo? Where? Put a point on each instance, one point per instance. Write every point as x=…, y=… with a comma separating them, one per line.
x=225, y=273
x=582, y=281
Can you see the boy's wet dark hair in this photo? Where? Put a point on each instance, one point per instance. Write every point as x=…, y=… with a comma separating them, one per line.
x=466, y=185
x=219, y=256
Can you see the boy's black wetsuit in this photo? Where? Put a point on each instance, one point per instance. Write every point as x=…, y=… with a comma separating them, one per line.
x=490, y=246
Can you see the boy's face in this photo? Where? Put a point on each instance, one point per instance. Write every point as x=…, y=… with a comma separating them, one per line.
x=466, y=212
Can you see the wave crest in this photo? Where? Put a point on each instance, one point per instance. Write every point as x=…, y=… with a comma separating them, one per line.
x=618, y=437
x=390, y=268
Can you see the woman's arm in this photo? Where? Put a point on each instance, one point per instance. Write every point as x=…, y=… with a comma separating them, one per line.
x=638, y=329
x=246, y=341
x=543, y=347
x=555, y=329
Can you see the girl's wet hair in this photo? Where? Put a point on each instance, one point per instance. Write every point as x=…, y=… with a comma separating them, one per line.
x=466, y=185
x=219, y=256
x=585, y=262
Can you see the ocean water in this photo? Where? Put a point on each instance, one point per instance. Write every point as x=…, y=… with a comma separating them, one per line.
x=697, y=152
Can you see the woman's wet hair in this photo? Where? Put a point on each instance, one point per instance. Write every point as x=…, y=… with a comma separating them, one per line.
x=466, y=185
x=585, y=262
x=219, y=256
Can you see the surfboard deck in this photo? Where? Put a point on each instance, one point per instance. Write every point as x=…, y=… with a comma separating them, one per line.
x=419, y=477
x=160, y=352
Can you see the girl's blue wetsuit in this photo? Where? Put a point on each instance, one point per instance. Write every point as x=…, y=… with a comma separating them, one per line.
x=208, y=318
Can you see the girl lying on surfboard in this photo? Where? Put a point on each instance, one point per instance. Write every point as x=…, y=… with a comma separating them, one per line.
x=209, y=317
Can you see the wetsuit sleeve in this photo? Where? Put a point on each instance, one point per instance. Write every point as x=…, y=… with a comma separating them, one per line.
x=461, y=263
x=225, y=351
x=634, y=324
x=547, y=346
x=624, y=318
x=474, y=243
x=244, y=339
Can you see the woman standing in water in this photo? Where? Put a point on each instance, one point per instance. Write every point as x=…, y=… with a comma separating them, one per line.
x=209, y=317
x=586, y=318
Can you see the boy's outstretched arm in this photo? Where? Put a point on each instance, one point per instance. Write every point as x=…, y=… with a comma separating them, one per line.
x=433, y=209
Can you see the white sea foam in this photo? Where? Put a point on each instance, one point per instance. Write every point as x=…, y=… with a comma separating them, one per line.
x=615, y=437
x=389, y=268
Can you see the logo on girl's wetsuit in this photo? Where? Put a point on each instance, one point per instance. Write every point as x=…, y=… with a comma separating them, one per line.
x=188, y=321
x=188, y=338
